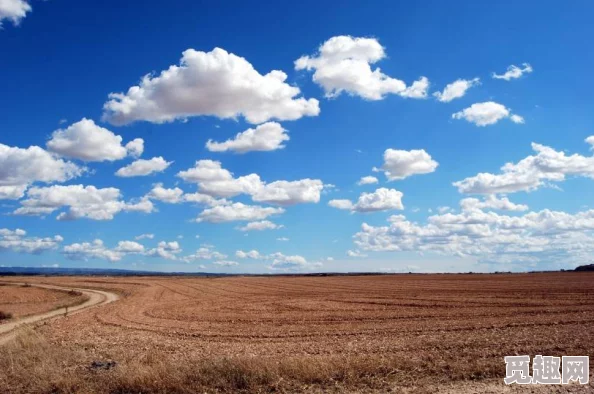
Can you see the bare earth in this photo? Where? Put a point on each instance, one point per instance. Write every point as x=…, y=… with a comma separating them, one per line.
x=22, y=301
x=404, y=333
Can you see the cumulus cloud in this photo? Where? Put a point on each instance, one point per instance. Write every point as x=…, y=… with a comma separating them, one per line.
x=380, y=200
x=265, y=137
x=97, y=250
x=84, y=140
x=225, y=263
x=214, y=83
x=82, y=201
x=400, y=164
x=487, y=113
x=237, y=212
x=205, y=252
x=214, y=180
x=514, y=72
x=280, y=261
x=13, y=10
x=491, y=202
x=17, y=241
x=367, y=180
x=19, y=168
x=530, y=173
x=176, y=195
x=343, y=64
x=144, y=167
x=546, y=236
x=260, y=226
x=355, y=253
x=165, y=250
x=456, y=89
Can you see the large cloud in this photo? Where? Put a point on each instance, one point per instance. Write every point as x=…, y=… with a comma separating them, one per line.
x=343, y=64
x=487, y=113
x=456, y=89
x=545, y=236
x=143, y=167
x=530, y=173
x=87, y=141
x=13, y=10
x=82, y=201
x=22, y=167
x=17, y=241
x=97, y=250
x=380, y=200
x=400, y=164
x=514, y=72
x=266, y=137
x=214, y=83
x=214, y=180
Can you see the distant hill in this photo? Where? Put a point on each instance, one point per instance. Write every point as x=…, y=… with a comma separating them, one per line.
x=589, y=267
x=13, y=271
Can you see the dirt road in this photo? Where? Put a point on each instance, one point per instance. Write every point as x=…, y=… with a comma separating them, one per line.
x=96, y=297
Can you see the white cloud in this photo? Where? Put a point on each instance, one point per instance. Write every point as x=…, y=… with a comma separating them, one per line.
x=171, y=196
x=380, y=200
x=367, y=180
x=16, y=241
x=135, y=147
x=214, y=83
x=205, y=252
x=252, y=254
x=13, y=10
x=237, y=212
x=355, y=253
x=514, y=72
x=517, y=119
x=177, y=195
x=144, y=167
x=456, y=89
x=545, y=236
x=530, y=173
x=214, y=180
x=341, y=204
x=265, y=137
x=400, y=164
x=343, y=64
x=491, y=202
x=289, y=192
x=282, y=239
x=87, y=141
x=281, y=262
x=487, y=113
x=21, y=167
x=144, y=236
x=590, y=140
x=98, y=250
x=129, y=247
x=165, y=250
x=225, y=263
x=260, y=226
x=82, y=201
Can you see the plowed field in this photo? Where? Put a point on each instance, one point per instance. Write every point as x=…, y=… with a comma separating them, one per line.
x=343, y=333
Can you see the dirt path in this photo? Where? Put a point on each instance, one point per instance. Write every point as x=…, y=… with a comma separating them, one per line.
x=8, y=331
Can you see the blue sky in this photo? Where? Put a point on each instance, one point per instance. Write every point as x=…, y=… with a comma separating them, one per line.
x=355, y=89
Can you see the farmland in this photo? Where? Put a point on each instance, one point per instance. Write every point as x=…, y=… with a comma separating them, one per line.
x=416, y=333
x=23, y=300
